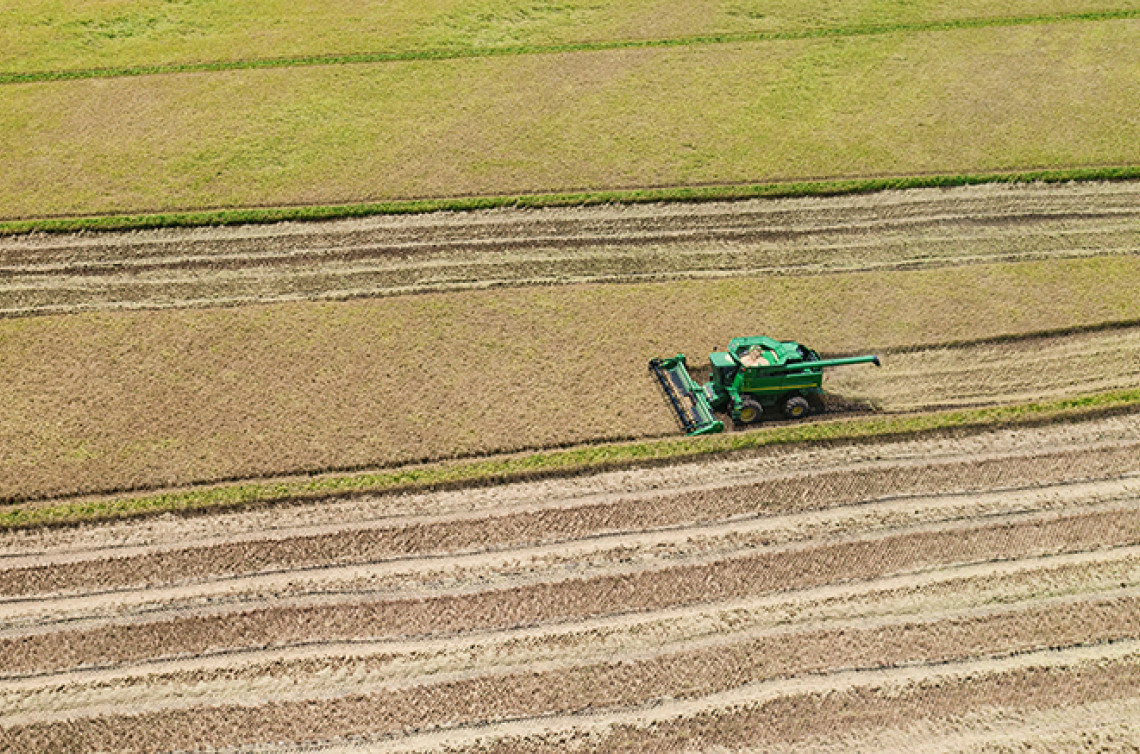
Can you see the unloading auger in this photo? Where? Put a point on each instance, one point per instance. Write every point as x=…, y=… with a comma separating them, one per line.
x=755, y=375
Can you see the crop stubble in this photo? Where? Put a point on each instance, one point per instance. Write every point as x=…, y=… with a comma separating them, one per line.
x=995, y=575
x=998, y=570
x=439, y=252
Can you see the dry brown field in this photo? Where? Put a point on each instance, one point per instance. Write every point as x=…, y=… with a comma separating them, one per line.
x=961, y=590
x=108, y=394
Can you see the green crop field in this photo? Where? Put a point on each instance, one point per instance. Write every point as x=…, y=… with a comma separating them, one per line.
x=58, y=37
x=798, y=92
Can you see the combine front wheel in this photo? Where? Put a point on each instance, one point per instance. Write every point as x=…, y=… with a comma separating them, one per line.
x=796, y=407
x=750, y=411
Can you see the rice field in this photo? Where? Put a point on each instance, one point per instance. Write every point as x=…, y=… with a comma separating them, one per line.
x=882, y=105
x=402, y=483
x=984, y=587
x=137, y=400
x=54, y=37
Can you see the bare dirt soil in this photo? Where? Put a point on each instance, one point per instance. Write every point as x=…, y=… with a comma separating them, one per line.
x=965, y=590
x=386, y=256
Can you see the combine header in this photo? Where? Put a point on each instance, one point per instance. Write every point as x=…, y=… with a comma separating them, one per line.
x=754, y=375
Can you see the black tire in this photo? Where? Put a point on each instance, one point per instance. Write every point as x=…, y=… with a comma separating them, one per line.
x=750, y=411
x=796, y=407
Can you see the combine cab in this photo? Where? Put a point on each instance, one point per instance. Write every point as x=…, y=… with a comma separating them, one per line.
x=755, y=376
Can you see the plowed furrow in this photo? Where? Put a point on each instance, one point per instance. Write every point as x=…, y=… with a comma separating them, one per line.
x=571, y=599
x=768, y=497
x=621, y=684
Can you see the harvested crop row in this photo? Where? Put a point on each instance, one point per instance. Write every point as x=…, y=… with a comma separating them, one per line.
x=979, y=374
x=388, y=256
x=811, y=715
x=339, y=668
x=111, y=539
x=590, y=558
x=786, y=493
x=879, y=576
x=955, y=208
x=116, y=401
x=362, y=615
x=692, y=673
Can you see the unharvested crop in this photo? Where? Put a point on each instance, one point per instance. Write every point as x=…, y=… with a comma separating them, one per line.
x=51, y=37
x=124, y=400
x=946, y=102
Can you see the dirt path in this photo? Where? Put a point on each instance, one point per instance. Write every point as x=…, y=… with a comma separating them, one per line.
x=992, y=578
x=389, y=256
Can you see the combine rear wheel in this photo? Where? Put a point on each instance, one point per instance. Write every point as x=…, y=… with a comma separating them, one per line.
x=750, y=411
x=796, y=407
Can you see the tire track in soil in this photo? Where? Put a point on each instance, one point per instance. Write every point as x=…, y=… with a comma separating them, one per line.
x=697, y=673
x=392, y=256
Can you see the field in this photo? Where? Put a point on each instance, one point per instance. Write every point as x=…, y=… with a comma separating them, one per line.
x=963, y=585
x=106, y=400
x=889, y=104
x=98, y=37
x=952, y=586
x=399, y=480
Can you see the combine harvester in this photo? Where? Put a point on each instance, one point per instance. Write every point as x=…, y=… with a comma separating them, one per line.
x=754, y=375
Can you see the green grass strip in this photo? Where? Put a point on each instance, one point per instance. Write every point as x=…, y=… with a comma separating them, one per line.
x=562, y=463
x=214, y=217
x=14, y=77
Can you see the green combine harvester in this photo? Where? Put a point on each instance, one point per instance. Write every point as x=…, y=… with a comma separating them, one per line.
x=755, y=375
